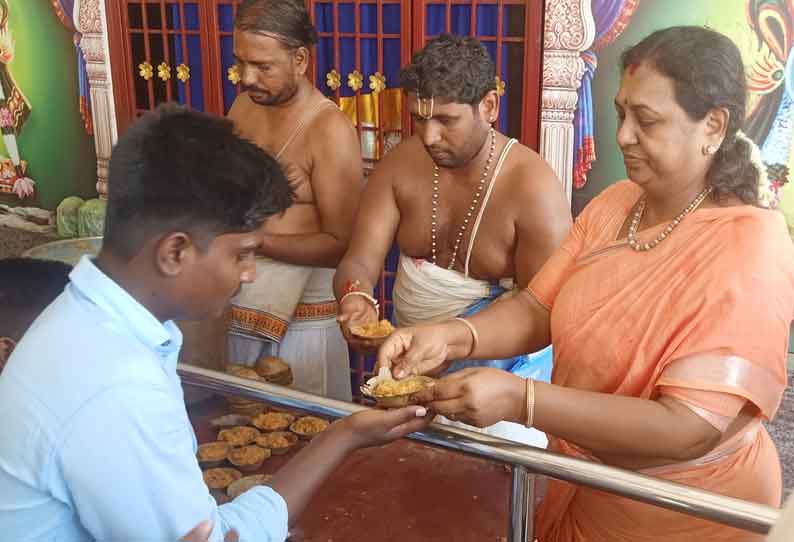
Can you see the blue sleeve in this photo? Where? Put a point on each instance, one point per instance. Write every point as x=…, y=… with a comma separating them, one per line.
x=130, y=472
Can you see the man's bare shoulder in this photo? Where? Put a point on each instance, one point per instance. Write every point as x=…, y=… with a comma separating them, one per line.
x=530, y=177
x=330, y=132
x=331, y=120
x=405, y=160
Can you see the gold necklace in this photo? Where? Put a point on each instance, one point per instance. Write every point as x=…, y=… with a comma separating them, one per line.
x=474, y=202
x=635, y=222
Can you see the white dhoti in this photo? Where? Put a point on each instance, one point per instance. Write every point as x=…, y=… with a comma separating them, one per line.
x=290, y=312
x=424, y=292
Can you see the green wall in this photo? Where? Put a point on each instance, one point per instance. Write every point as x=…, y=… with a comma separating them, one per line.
x=726, y=16
x=60, y=154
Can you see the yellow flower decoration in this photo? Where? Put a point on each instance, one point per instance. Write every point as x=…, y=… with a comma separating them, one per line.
x=355, y=80
x=233, y=74
x=500, y=86
x=377, y=82
x=164, y=71
x=333, y=79
x=145, y=70
x=183, y=73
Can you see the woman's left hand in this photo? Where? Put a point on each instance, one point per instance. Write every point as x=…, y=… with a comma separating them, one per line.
x=478, y=396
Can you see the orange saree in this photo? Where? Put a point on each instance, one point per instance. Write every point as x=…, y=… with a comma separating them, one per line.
x=703, y=317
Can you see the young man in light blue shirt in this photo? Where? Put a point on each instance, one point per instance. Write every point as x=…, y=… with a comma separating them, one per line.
x=96, y=442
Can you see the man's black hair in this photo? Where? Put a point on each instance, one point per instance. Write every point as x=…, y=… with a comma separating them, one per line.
x=286, y=20
x=27, y=287
x=452, y=67
x=178, y=170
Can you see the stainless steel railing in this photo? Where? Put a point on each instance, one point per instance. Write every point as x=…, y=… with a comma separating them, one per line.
x=527, y=461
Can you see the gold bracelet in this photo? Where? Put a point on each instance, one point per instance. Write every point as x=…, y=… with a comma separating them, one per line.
x=475, y=339
x=530, y=402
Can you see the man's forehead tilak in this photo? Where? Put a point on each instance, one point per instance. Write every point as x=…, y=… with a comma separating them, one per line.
x=424, y=107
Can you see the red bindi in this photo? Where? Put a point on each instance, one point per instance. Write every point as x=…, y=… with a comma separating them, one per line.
x=633, y=68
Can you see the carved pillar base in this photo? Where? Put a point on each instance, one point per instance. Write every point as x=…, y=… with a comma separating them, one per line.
x=89, y=19
x=569, y=29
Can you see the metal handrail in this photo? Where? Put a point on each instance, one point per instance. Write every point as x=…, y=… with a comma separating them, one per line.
x=695, y=502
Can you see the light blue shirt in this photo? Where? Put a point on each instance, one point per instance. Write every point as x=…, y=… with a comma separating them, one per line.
x=96, y=443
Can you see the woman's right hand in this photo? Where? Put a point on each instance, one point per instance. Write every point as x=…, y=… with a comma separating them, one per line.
x=355, y=310
x=423, y=350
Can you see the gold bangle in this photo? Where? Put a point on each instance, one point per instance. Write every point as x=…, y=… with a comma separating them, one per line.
x=530, y=402
x=475, y=339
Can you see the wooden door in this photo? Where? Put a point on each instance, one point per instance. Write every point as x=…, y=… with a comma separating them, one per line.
x=158, y=50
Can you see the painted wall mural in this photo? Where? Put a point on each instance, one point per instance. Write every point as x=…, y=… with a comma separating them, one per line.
x=770, y=78
x=47, y=150
x=14, y=111
x=764, y=32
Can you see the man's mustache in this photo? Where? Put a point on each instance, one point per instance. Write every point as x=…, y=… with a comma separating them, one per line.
x=247, y=88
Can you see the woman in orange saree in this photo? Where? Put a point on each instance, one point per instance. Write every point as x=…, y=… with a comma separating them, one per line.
x=668, y=306
x=689, y=321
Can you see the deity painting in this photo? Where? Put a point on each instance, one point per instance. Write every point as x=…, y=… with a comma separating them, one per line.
x=14, y=111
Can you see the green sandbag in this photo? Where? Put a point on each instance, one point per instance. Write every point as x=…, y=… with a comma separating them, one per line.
x=91, y=218
x=66, y=216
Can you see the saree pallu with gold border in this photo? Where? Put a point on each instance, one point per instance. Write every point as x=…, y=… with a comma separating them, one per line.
x=703, y=317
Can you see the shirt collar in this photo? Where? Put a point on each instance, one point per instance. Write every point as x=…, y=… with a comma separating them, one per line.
x=114, y=300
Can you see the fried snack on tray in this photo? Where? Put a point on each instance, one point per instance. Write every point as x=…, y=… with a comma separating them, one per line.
x=212, y=454
x=239, y=436
x=309, y=426
x=274, y=370
x=373, y=330
x=248, y=458
x=221, y=478
x=273, y=421
x=278, y=442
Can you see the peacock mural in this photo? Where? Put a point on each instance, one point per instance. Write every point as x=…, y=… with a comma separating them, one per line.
x=770, y=115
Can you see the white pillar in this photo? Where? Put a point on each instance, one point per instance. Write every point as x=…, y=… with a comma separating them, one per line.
x=569, y=30
x=91, y=21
